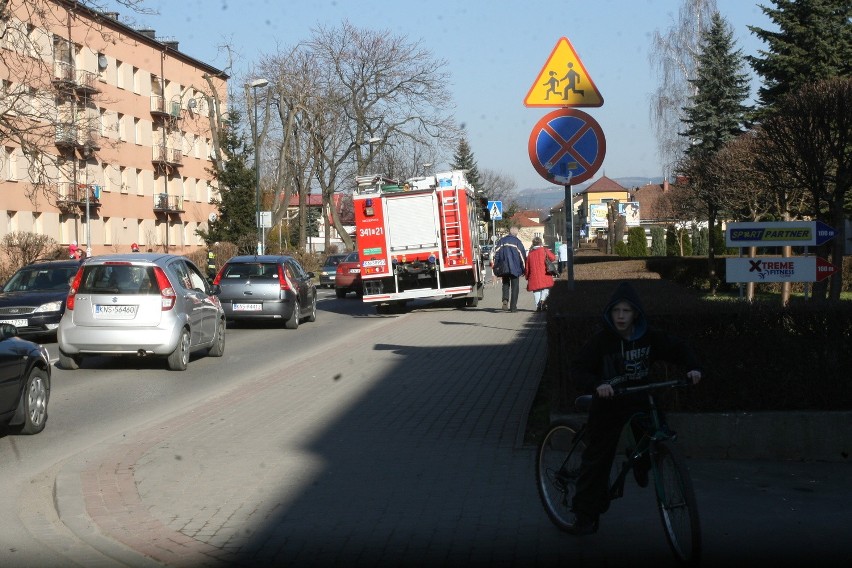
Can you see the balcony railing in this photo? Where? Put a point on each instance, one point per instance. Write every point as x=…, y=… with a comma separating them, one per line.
x=168, y=203
x=66, y=135
x=87, y=81
x=69, y=193
x=63, y=72
x=166, y=155
x=160, y=107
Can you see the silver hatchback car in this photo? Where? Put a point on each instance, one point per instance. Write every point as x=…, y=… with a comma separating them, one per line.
x=140, y=304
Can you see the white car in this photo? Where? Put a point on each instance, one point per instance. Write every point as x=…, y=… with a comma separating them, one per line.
x=140, y=304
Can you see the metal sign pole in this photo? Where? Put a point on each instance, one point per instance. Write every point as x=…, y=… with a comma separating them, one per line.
x=569, y=233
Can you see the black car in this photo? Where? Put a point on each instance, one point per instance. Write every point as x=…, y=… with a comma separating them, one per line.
x=33, y=300
x=266, y=287
x=329, y=269
x=24, y=383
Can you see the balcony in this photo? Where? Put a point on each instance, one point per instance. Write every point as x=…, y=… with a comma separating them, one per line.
x=66, y=135
x=163, y=109
x=87, y=82
x=165, y=203
x=166, y=156
x=71, y=195
x=63, y=74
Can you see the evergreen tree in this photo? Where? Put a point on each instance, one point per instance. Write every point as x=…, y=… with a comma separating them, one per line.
x=658, y=241
x=463, y=160
x=717, y=112
x=717, y=115
x=637, y=243
x=813, y=42
x=236, y=202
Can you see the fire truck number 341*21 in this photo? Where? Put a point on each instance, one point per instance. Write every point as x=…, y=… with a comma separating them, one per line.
x=418, y=238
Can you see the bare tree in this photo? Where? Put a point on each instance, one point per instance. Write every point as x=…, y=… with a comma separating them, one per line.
x=497, y=185
x=388, y=89
x=809, y=139
x=674, y=55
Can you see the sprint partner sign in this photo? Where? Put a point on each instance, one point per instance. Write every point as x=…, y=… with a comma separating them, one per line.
x=778, y=269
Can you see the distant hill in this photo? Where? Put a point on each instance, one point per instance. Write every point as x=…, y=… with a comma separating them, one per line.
x=547, y=197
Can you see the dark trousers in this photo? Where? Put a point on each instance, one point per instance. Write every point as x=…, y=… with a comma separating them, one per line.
x=511, y=287
x=607, y=418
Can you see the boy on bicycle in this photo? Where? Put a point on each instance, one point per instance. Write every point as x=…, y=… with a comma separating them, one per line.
x=619, y=355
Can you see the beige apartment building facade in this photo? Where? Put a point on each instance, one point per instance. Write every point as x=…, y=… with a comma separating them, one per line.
x=107, y=131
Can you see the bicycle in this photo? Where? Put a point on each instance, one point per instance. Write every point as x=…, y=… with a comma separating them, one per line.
x=558, y=464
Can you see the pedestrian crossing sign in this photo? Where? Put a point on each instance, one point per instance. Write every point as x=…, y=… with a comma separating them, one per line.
x=563, y=81
x=495, y=210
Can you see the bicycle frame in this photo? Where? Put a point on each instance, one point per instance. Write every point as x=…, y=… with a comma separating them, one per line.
x=651, y=433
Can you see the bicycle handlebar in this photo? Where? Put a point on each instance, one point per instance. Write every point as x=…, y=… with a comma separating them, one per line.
x=653, y=386
x=582, y=402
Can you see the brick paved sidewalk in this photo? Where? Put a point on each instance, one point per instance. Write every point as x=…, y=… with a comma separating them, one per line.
x=387, y=451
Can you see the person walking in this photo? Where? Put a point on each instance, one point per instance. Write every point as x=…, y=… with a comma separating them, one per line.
x=539, y=282
x=621, y=354
x=563, y=257
x=508, y=263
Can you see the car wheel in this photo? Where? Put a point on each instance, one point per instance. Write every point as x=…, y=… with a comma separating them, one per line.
x=34, y=400
x=218, y=347
x=179, y=358
x=293, y=322
x=312, y=317
x=341, y=292
x=69, y=362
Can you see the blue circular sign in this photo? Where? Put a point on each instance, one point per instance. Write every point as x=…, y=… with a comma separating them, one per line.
x=567, y=146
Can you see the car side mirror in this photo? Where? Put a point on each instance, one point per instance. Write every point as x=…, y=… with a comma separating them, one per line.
x=216, y=289
x=7, y=330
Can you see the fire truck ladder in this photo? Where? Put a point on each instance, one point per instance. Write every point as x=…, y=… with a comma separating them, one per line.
x=451, y=232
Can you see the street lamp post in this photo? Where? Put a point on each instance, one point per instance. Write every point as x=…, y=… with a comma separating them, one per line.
x=257, y=83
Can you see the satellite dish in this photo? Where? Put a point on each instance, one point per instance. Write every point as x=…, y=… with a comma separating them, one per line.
x=102, y=61
x=212, y=217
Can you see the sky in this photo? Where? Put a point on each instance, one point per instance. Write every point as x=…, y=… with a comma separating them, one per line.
x=494, y=49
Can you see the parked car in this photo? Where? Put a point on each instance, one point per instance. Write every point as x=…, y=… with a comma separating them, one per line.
x=267, y=288
x=33, y=300
x=140, y=304
x=485, y=251
x=24, y=382
x=329, y=269
x=348, y=278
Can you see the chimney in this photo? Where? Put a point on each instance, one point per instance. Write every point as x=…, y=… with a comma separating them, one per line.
x=149, y=33
x=171, y=44
x=665, y=185
x=112, y=15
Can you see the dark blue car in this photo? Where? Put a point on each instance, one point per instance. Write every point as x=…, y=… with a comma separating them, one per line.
x=33, y=300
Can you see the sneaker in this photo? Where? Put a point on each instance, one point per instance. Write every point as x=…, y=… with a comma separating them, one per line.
x=582, y=525
x=505, y=304
x=538, y=307
x=513, y=310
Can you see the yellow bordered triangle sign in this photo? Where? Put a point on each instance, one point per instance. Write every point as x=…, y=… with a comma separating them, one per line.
x=563, y=81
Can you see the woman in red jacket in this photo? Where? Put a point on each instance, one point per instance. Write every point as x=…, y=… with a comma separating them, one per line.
x=539, y=281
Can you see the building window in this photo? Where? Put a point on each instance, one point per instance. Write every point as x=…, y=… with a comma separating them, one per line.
x=122, y=128
x=137, y=133
x=136, y=86
x=140, y=187
x=119, y=71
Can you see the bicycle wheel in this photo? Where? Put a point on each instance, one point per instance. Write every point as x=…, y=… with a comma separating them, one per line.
x=557, y=467
x=676, y=502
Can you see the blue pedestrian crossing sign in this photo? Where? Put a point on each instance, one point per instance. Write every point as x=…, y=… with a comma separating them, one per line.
x=495, y=209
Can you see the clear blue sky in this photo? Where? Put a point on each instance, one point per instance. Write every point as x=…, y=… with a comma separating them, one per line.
x=495, y=50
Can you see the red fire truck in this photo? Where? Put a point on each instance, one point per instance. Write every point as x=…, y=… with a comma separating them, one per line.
x=418, y=238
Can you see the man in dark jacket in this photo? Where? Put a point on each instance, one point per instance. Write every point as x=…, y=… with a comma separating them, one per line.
x=619, y=355
x=511, y=253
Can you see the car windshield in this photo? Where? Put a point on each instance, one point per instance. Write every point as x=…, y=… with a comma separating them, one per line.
x=353, y=257
x=255, y=270
x=119, y=279
x=40, y=279
x=333, y=260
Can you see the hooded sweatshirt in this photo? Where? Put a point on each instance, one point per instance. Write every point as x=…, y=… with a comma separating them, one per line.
x=610, y=358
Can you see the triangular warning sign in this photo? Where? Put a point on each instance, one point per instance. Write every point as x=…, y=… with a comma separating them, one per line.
x=563, y=81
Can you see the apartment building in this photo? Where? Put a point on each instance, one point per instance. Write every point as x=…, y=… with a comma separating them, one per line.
x=106, y=132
